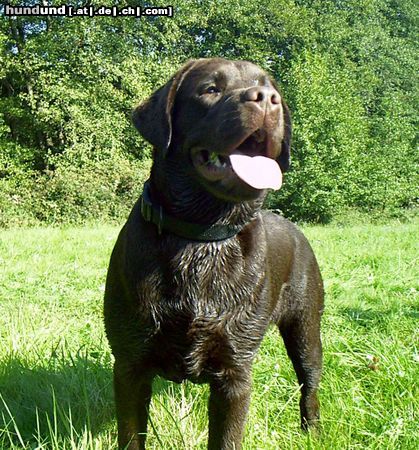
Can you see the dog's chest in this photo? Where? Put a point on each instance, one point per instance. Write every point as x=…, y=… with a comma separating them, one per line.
x=212, y=311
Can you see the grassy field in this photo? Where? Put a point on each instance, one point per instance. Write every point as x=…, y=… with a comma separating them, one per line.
x=55, y=364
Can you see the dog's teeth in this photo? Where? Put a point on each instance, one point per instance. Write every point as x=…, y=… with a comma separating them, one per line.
x=215, y=160
x=213, y=157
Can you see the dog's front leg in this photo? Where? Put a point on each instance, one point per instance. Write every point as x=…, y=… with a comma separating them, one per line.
x=227, y=411
x=132, y=400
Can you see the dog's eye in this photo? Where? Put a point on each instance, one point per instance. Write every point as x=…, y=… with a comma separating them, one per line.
x=211, y=90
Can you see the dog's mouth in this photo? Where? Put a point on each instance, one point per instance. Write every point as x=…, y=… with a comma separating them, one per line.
x=248, y=161
x=214, y=164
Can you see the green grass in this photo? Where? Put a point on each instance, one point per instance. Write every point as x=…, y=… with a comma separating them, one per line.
x=55, y=364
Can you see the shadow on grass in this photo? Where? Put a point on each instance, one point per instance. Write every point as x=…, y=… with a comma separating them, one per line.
x=56, y=400
x=367, y=317
x=59, y=400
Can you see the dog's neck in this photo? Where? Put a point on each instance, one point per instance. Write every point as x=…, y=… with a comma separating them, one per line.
x=179, y=199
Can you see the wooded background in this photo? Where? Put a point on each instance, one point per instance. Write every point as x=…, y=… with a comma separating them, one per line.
x=347, y=68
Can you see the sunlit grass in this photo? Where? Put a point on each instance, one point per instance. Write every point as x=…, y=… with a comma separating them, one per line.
x=56, y=367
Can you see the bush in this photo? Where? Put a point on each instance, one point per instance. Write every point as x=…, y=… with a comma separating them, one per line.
x=348, y=70
x=96, y=190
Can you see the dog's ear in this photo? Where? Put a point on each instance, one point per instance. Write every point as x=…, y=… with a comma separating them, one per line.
x=284, y=157
x=153, y=118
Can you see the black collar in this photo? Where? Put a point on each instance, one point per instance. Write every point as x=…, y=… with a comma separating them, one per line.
x=197, y=232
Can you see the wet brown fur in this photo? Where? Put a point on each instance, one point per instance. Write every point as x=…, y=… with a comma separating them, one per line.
x=184, y=309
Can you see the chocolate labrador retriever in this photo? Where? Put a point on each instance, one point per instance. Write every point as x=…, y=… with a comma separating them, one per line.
x=199, y=271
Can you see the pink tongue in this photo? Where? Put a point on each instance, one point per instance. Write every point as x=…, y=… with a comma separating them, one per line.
x=258, y=171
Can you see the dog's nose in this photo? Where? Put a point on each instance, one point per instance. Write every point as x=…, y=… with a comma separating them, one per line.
x=262, y=95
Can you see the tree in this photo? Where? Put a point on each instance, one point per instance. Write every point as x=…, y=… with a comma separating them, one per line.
x=68, y=85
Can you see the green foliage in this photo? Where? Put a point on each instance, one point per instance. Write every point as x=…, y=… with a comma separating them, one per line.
x=96, y=190
x=326, y=107
x=347, y=69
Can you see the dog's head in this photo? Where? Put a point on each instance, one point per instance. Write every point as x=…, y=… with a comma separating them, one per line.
x=210, y=116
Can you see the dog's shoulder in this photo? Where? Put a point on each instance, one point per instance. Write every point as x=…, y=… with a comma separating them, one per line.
x=283, y=233
x=275, y=223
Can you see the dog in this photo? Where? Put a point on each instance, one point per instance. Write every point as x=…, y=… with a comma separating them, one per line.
x=199, y=271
